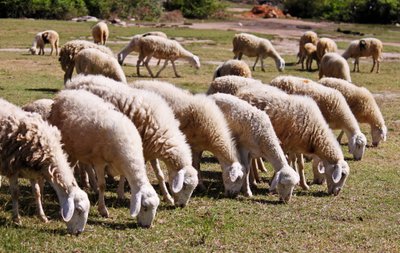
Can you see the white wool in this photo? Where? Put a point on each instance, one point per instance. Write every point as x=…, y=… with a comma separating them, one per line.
x=233, y=67
x=334, y=65
x=41, y=39
x=364, y=48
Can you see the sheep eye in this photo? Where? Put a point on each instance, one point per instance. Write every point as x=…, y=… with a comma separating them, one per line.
x=145, y=208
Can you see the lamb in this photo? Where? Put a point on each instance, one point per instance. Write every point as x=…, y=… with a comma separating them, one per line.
x=333, y=106
x=253, y=46
x=100, y=33
x=297, y=122
x=158, y=128
x=95, y=133
x=93, y=61
x=363, y=106
x=46, y=37
x=233, y=67
x=31, y=148
x=205, y=128
x=134, y=45
x=307, y=37
x=70, y=49
x=365, y=48
x=255, y=137
x=163, y=48
x=334, y=65
x=311, y=54
x=325, y=45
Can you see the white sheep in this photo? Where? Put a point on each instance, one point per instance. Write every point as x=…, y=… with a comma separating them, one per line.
x=253, y=46
x=70, y=49
x=100, y=33
x=297, y=122
x=91, y=61
x=255, y=137
x=365, y=48
x=46, y=37
x=134, y=45
x=205, y=128
x=334, y=65
x=333, y=106
x=41, y=106
x=310, y=51
x=233, y=67
x=158, y=128
x=307, y=37
x=31, y=148
x=95, y=133
x=363, y=106
x=163, y=48
x=325, y=45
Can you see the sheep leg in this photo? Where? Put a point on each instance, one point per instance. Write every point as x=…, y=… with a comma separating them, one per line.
x=173, y=66
x=161, y=181
x=14, y=195
x=121, y=188
x=0, y=181
x=36, y=188
x=255, y=63
x=261, y=165
x=92, y=178
x=339, y=138
x=158, y=63
x=300, y=163
x=373, y=65
x=196, y=165
x=262, y=64
x=318, y=177
x=377, y=66
x=245, y=158
x=146, y=64
x=163, y=67
x=68, y=72
x=101, y=183
x=255, y=170
x=139, y=61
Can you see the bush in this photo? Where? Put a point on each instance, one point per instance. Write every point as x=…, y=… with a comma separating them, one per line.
x=148, y=10
x=196, y=8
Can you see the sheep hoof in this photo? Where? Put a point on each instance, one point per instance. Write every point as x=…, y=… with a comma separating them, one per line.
x=169, y=200
x=17, y=221
x=305, y=187
x=263, y=70
x=104, y=212
x=43, y=219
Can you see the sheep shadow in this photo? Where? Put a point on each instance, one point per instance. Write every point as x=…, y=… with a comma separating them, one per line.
x=45, y=90
x=111, y=224
x=318, y=194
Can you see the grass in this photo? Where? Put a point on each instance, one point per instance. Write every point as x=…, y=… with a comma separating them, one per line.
x=365, y=217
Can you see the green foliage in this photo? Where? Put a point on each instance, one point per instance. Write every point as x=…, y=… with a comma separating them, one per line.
x=148, y=10
x=196, y=8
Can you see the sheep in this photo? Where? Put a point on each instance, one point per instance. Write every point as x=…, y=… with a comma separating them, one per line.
x=365, y=48
x=100, y=33
x=297, y=122
x=95, y=133
x=205, y=128
x=46, y=37
x=158, y=128
x=307, y=37
x=256, y=137
x=70, y=49
x=134, y=45
x=334, y=65
x=253, y=46
x=311, y=54
x=333, y=106
x=31, y=148
x=93, y=61
x=233, y=67
x=163, y=48
x=363, y=106
x=41, y=106
x=325, y=45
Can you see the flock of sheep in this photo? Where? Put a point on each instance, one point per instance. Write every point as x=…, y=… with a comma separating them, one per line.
x=102, y=125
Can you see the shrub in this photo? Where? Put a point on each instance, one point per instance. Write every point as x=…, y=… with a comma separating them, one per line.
x=195, y=8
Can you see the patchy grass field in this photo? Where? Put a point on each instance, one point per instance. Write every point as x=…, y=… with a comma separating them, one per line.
x=365, y=217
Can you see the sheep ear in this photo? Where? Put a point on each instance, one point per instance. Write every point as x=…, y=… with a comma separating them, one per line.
x=275, y=181
x=177, y=182
x=337, y=174
x=136, y=201
x=321, y=168
x=235, y=173
x=67, y=209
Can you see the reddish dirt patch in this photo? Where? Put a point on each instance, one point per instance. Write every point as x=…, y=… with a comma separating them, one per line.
x=264, y=11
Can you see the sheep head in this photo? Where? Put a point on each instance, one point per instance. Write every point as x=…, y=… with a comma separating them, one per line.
x=335, y=174
x=233, y=177
x=75, y=211
x=378, y=134
x=144, y=205
x=284, y=182
x=189, y=183
x=280, y=64
x=357, y=145
x=33, y=50
x=195, y=61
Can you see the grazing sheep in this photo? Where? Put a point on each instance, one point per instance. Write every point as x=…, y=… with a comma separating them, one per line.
x=205, y=128
x=31, y=148
x=253, y=46
x=307, y=37
x=325, y=45
x=233, y=67
x=333, y=106
x=255, y=137
x=134, y=45
x=297, y=122
x=158, y=128
x=95, y=133
x=70, y=49
x=91, y=61
x=42, y=38
x=365, y=48
x=334, y=65
x=311, y=54
x=100, y=33
x=163, y=48
x=41, y=106
x=363, y=106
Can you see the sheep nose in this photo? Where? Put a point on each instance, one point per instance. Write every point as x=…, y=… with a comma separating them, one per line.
x=337, y=191
x=144, y=226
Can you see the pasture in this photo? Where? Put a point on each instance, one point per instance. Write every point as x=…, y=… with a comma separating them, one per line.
x=364, y=217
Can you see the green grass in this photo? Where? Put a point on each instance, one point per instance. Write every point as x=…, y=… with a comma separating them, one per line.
x=363, y=218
